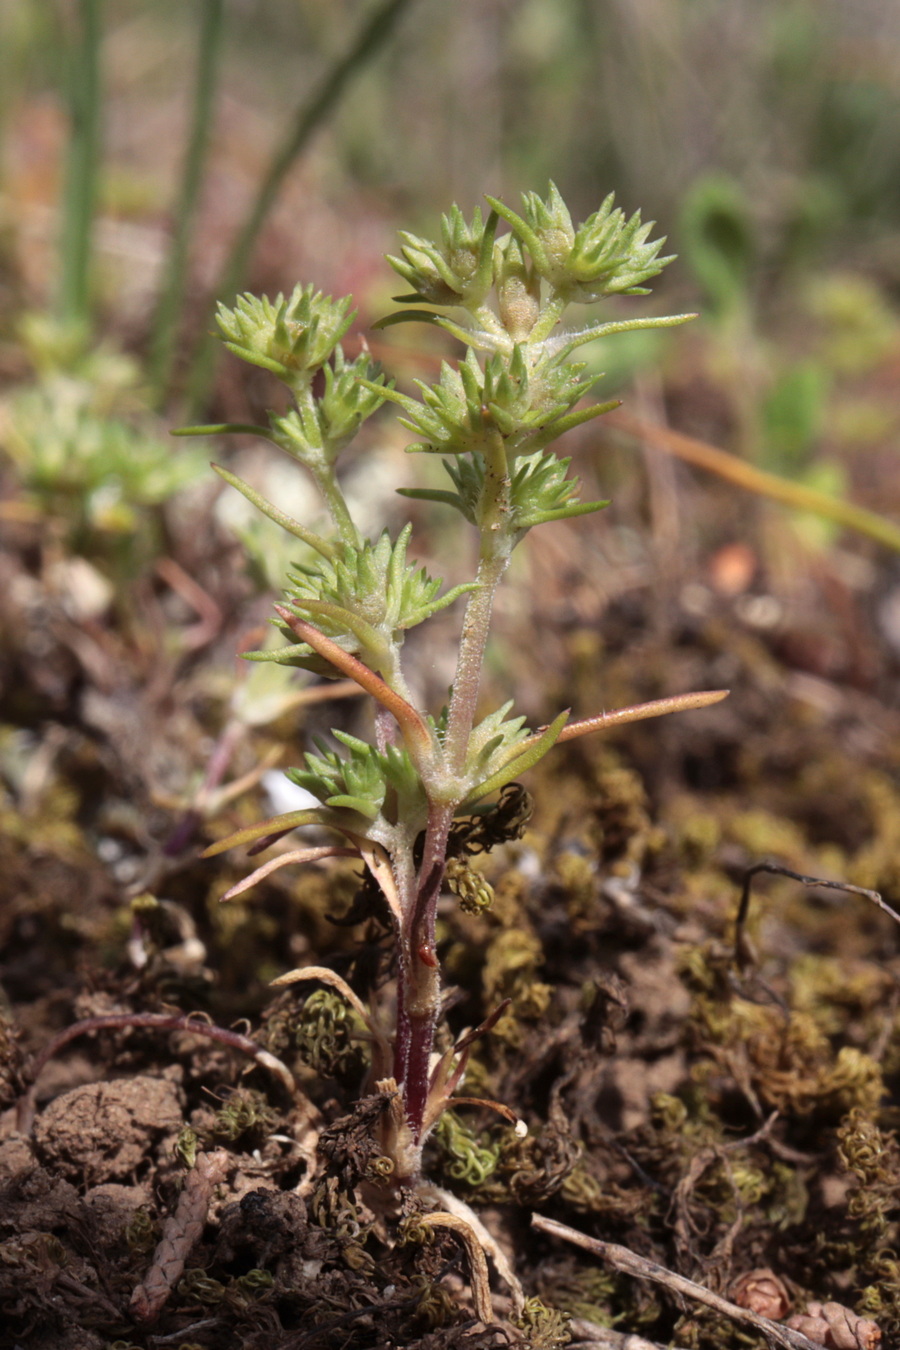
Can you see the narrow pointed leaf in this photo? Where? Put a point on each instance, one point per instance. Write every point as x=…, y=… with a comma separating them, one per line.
x=561, y=513
x=300, y=855
x=638, y=712
x=523, y=757
x=521, y=228
x=257, y=359
x=276, y=825
x=415, y=731
x=358, y=804
x=432, y=495
x=220, y=429
x=287, y=522
x=352, y=622
x=406, y=316
x=577, y=419
x=571, y=341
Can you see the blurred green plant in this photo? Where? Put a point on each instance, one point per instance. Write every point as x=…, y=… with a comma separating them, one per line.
x=782, y=406
x=313, y=113
x=166, y=320
x=394, y=802
x=88, y=455
x=84, y=96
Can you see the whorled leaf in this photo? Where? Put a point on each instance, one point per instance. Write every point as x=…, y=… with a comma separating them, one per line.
x=608, y=254
x=364, y=599
x=366, y=780
x=459, y=270
x=290, y=337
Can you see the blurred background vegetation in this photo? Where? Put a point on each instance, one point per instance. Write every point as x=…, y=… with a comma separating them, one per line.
x=158, y=156
x=763, y=135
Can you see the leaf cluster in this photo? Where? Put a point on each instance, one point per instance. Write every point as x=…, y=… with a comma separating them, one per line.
x=361, y=780
x=291, y=337
x=365, y=598
x=608, y=254
x=492, y=418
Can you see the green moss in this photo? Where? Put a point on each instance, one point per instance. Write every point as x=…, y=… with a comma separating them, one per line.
x=465, y=1157
x=513, y=957
x=545, y=1328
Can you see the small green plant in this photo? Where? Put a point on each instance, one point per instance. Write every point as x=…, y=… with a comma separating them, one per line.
x=404, y=802
x=92, y=461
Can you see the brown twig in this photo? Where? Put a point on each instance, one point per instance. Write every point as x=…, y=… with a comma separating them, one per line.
x=154, y=1021
x=586, y=1334
x=734, y=470
x=181, y=1233
x=478, y=1271
x=629, y=1263
x=742, y=955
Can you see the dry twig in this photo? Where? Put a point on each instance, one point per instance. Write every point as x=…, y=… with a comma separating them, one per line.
x=629, y=1263
x=478, y=1270
x=590, y=1334
x=160, y=1022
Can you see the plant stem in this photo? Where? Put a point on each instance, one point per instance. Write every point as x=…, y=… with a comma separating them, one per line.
x=327, y=483
x=371, y=37
x=419, y=993
x=496, y=549
x=83, y=158
x=420, y=972
x=165, y=325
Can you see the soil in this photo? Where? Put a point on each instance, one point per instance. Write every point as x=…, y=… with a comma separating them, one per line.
x=718, y=1107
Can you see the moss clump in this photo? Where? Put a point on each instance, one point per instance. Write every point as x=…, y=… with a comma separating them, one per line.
x=464, y=1157
x=326, y=1034
x=513, y=958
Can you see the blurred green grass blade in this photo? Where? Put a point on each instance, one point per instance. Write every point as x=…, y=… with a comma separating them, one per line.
x=168, y=311
x=800, y=496
x=371, y=37
x=82, y=162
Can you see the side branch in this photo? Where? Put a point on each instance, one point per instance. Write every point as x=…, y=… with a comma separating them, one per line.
x=414, y=728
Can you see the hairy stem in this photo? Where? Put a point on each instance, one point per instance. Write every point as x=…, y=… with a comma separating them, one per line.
x=420, y=969
x=419, y=993
x=327, y=483
x=496, y=548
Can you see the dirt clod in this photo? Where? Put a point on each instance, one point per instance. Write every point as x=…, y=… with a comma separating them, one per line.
x=101, y=1132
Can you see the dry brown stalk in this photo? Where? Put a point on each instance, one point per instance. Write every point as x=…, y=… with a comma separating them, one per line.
x=629, y=1263
x=478, y=1271
x=181, y=1232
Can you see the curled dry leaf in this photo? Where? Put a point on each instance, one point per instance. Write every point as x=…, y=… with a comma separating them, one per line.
x=762, y=1292
x=836, y=1327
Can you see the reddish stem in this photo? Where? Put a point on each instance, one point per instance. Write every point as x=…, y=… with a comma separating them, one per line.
x=419, y=991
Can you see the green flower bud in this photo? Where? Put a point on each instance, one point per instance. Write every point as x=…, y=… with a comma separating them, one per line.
x=459, y=270
x=292, y=337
